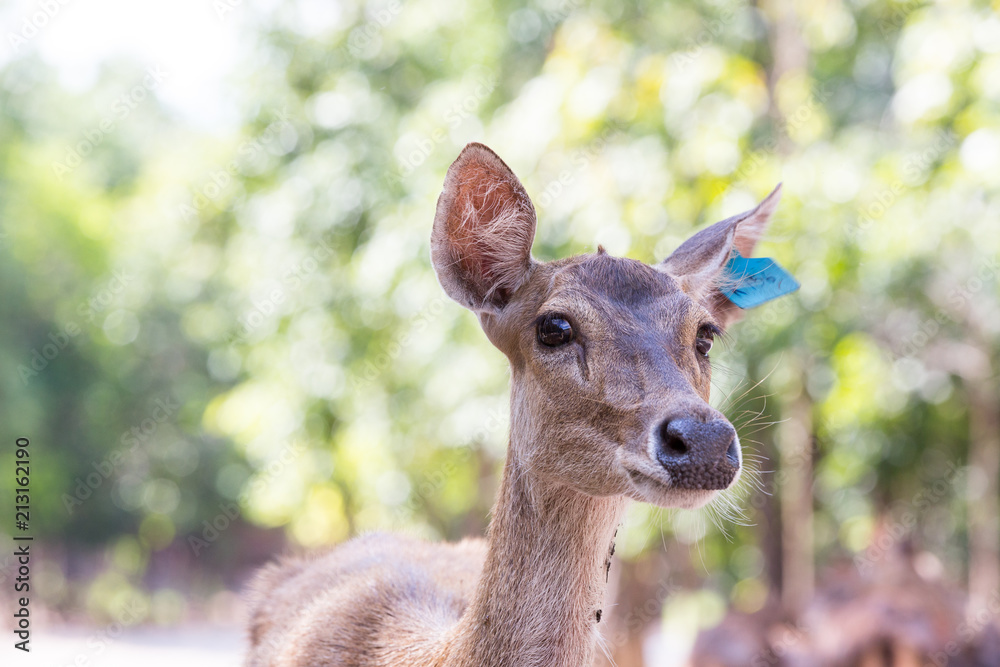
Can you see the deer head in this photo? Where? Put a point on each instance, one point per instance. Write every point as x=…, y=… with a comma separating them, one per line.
x=609, y=356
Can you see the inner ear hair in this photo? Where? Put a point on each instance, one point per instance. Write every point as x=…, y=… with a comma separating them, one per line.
x=483, y=230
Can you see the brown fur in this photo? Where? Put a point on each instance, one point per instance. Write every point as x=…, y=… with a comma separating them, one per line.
x=587, y=419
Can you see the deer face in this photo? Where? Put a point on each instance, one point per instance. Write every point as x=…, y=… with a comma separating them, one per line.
x=609, y=356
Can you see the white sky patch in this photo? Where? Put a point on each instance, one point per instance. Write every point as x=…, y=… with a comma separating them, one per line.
x=188, y=39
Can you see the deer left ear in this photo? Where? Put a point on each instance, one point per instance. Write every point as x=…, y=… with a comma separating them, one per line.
x=483, y=229
x=697, y=263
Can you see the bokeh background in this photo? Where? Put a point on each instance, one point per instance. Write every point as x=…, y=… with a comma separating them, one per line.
x=223, y=337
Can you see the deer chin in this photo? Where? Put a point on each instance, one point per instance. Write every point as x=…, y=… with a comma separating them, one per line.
x=651, y=483
x=655, y=488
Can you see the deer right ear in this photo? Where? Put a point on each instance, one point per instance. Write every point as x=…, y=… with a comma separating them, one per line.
x=698, y=262
x=483, y=229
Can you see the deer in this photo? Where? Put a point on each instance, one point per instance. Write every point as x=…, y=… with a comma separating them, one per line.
x=609, y=402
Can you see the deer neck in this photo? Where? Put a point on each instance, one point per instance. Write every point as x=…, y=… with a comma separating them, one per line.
x=545, y=574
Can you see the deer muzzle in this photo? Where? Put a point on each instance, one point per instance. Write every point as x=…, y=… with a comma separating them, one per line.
x=698, y=454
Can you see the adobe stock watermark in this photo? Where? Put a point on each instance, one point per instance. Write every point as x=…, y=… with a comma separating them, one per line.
x=792, y=121
x=792, y=463
x=709, y=34
x=558, y=12
x=164, y=409
x=637, y=619
x=779, y=644
x=581, y=160
x=223, y=7
x=913, y=167
x=896, y=19
x=128, y=615
x=219, y=180
x=213, y=528
x=968, y=630
x=121, y=108
x=42, y=356
x=59, y=339
x=906, y=518
x=362, y=39
x=35, y=22
x=265, y=308
x=753, y=329
x=529, y=23
x=958, y=297
x=432, y=483
x=374, y=367
x=422, y=146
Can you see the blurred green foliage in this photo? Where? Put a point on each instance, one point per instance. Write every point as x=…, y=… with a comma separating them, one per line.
x=274, y=284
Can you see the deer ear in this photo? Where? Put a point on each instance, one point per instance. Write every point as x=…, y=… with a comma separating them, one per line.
x=483, y=229
x=697, y=263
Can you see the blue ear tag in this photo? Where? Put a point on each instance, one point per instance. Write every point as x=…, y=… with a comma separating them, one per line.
x=750, y=282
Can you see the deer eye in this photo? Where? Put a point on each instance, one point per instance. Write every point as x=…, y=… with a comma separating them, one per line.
x=554, y=330
x=703, y=343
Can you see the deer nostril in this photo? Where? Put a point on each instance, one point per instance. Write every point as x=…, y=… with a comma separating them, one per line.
x=675, y=445
x=733, y=453
x=690, y=441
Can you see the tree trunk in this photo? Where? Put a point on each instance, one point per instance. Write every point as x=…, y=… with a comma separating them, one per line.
x=983, y=505
x=797, y=570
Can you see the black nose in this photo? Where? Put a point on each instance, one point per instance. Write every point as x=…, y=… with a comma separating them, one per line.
x=697, y=454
